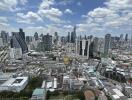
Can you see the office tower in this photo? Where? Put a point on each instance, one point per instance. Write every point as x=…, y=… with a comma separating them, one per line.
x=18, y=39
x=68, y=37
x=15, y=51
x=73, y=35
x=126, y=37
x=41, y=35
x=56, y=38
x=22, y=34
x=1, y=42
x=36, y=36
x=29, y=39
x=121, y=37
x=63, y=40
x=83, y=47
x=107, y=44
x=91, y=50
x=96, y=44
x=131, y=39
x=47, y=42
x=5, y=37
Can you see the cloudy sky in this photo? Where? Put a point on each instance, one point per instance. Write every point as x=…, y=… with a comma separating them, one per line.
x=92, y=17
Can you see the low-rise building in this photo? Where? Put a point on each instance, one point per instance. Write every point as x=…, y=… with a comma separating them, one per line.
x=128, y=92
x=39, y=94
x=14, y=84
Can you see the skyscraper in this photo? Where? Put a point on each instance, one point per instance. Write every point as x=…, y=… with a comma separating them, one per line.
x=22, y=34
x=56, y=38
x=126, y=37
x=15, y=50
x=47, y=42
x=1, y=42
x=83, y=47
x=68, y=37
x=36, y=36
x=5, y=37
x=18, y=40
x=73, y=35
x=107, y=44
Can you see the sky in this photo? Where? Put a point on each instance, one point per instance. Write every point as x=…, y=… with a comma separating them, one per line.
x=91, y=17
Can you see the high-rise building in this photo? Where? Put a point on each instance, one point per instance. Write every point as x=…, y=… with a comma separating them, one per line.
x=96, y=43
x=28, y=39
x=1, y=42
x=73, y=35
x=126, y=37
x=5, y=37
x=63, y=40
x=107, y=44
x=56, y=38
x=68, y=37
x=82, y=47
x=36, y=36
x=47, y=42
x=18, y=40
x=22, y=34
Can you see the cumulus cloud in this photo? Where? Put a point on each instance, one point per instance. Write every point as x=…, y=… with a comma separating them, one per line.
x=11, y=5
x=65, y=2
x=115, y=17
x=68, y=11
x=51, y=28
x=3, y=21
x=52, y=14
x=28, y=18
x=47, y=11
x=46, y=4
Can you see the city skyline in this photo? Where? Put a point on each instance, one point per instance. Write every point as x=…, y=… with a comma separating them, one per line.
x=95, y=17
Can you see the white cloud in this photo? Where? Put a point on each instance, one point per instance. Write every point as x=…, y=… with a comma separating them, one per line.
x=65, y=2
x=29, y=18
x=3, y=21
x=115, y=17
x=45, y=29
x=52, y=14
x=68, y=26
x=11, y=5
x=46, y=4
x=100, y=12
x=68, y=11
x=23, y=2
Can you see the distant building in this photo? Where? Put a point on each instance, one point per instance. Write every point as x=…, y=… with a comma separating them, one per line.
x=47, y=42
x=1, y=42
x=107, y=44
x=5, y=37
x=126, y=37
x=36, y=36
x=56, y=38
x=73, y=35
x=18, y=45
x=96, y=44
x=29, y=39
x=68, y=37
x=18, y=41
x=63, y=40
x=22, y=34
x=83, y=47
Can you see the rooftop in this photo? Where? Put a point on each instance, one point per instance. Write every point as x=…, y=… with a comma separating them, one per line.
x=38, y=92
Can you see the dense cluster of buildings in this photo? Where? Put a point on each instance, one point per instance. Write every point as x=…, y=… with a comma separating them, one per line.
x=99, y=67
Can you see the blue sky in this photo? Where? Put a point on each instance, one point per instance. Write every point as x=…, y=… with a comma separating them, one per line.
x=96, y=17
